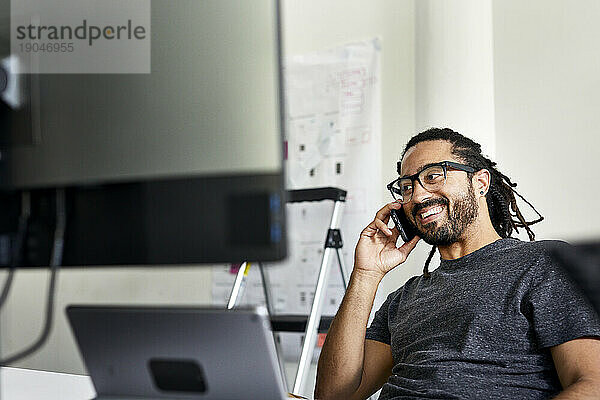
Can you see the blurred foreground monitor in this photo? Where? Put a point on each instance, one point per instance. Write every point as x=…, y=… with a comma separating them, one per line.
x=182, y=165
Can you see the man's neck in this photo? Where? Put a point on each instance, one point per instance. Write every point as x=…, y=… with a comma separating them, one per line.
x=475, y=237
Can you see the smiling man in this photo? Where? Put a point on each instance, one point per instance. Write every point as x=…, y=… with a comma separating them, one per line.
x=496, y=320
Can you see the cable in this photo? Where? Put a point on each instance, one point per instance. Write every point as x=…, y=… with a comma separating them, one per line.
x=17, y=252
x=6, y=287
x=55, y=261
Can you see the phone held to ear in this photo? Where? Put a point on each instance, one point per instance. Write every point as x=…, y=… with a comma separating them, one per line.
x=405, y=227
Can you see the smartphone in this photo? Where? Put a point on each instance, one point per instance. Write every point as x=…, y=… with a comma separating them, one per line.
x=405, y=227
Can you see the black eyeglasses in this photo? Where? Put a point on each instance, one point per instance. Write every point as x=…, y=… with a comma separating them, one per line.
x=432, y=178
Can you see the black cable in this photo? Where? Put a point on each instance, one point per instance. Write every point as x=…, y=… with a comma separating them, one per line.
x=6, y=287
x=56, y=260
x=47, y=325
x=17, y=252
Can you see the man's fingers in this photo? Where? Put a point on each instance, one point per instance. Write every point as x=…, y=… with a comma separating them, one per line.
x=384, y=213
x=376, y=225
x=383, y=227
x=381, y=220
x=395, y=235
x=385, y=210
x=370, y=230
x=408, y=247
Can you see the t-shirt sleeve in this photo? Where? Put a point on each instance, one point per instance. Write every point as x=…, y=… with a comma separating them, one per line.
x=379, y=328
x=559, y=310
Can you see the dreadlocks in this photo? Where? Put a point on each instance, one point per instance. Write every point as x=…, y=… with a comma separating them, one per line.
x=501, y=201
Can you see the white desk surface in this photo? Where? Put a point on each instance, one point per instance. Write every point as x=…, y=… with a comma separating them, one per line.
x=28, y=384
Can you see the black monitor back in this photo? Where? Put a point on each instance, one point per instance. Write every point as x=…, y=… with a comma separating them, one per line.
x=182, y=165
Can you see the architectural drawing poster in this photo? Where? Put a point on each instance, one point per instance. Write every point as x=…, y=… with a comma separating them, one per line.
x=333, y=139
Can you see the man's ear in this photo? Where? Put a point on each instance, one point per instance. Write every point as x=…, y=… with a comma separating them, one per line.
x=482, y=180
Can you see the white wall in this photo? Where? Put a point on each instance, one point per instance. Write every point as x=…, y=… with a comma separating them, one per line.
x=454, y=68
x=547, y=85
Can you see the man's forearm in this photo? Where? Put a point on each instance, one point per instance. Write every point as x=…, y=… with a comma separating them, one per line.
x=583, y=389
x=341, y=362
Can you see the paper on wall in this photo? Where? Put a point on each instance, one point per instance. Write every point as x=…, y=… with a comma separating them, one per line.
x=333, y=138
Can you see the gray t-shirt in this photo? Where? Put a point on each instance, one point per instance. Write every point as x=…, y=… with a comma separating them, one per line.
x=482, y=325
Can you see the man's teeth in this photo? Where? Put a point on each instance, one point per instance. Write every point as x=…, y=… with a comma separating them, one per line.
x=434, y=210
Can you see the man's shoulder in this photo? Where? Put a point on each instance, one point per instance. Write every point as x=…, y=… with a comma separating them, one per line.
x=535, y=257
x=534, y=248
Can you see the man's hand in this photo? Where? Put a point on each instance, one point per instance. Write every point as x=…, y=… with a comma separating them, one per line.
x=376, y=252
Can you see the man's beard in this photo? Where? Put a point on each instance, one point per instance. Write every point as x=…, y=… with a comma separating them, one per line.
x=458, y=219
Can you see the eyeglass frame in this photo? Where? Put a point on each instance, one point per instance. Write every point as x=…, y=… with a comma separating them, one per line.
x=415, y=177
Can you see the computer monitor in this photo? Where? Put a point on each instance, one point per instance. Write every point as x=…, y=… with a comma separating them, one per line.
x=181, y=165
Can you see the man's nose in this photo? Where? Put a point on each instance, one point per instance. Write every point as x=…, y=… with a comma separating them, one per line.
x=420, y=194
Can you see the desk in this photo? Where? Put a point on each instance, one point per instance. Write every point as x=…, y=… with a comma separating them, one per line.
x=28, y=384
